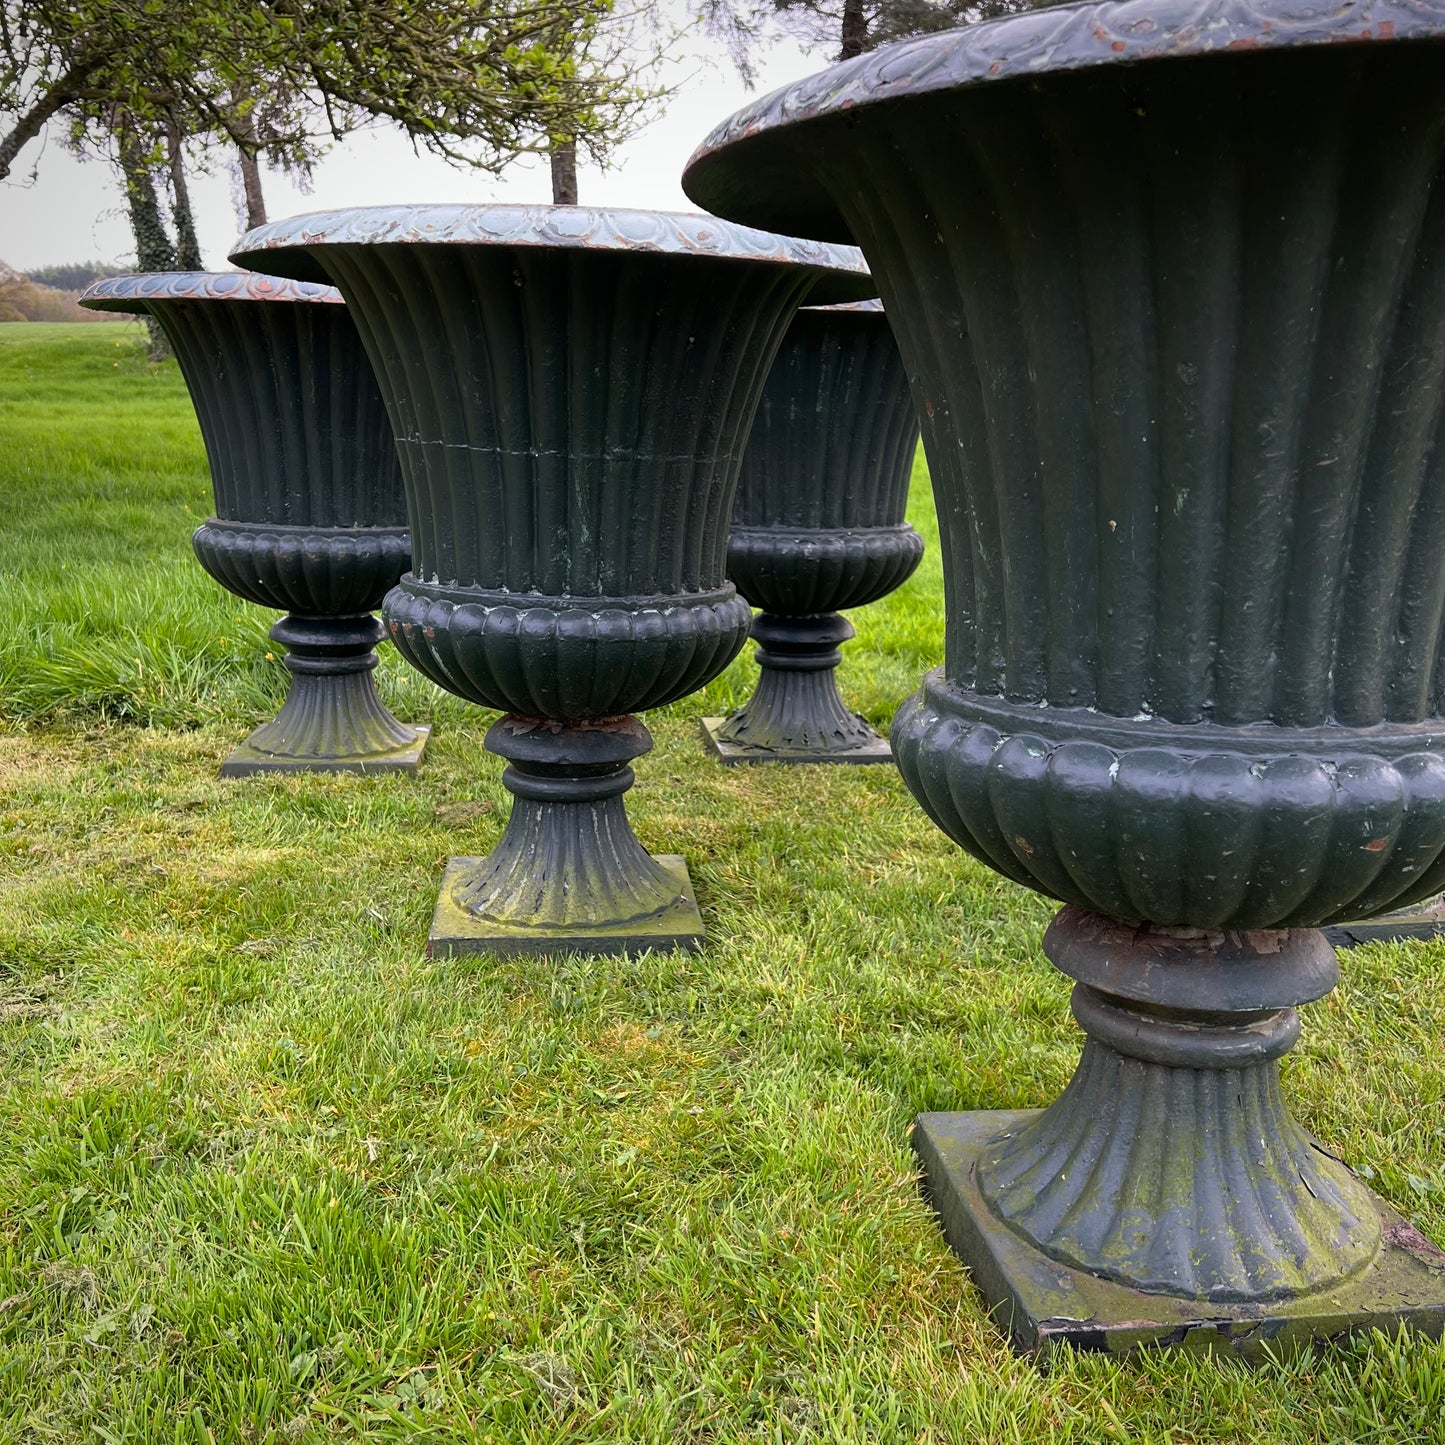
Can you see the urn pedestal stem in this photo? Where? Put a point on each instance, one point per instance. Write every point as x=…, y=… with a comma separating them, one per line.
x=796, y=714
x=568, y=874
x=1170, y=1163
x=1168, y=1196
x=332, y=716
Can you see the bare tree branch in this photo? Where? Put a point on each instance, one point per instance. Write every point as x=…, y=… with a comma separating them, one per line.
x=29, y=125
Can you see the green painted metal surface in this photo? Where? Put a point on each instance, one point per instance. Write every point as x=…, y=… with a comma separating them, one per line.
x=1169, y=286
x=817, y=528
x=571, y=391
x=310, y=511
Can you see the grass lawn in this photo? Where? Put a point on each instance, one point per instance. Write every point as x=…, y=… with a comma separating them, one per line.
x=267, y=1173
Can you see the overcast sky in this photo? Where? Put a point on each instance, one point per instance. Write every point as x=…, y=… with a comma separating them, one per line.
x=73, y=211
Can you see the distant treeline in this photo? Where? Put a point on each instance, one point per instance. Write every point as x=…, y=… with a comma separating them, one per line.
x=49, y=293
x=74, y=277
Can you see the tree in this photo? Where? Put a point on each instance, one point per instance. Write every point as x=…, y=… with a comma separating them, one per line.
x=154, y=250
x=17, y=295
x=248, y=145
x=847, y=27
x=476, y=81
x=22, y=298
x=634, y=28
x=563, y=157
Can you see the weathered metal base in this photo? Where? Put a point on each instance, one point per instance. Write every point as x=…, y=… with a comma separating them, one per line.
x=1425, y=919
x=456, y=930
x=247, y=761
x=1042, y=1304
x=876, y=751
x=796, y=713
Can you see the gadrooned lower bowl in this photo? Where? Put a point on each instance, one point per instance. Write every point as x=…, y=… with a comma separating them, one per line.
x=802, y=572
x=316, y=571
x=570, y=658
x=1223, y=827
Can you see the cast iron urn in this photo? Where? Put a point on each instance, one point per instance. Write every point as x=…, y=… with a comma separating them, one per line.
x=1168, y=278
x=310, y=511
x=818, y=528
x=571, y=391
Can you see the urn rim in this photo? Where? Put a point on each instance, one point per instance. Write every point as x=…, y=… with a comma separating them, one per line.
x=748, y=167
x=292, y=247
x=134, y=294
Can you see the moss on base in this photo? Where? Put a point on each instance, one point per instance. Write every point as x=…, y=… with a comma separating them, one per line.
x=456, y=929
x=246, y=760
x=1041, y=1303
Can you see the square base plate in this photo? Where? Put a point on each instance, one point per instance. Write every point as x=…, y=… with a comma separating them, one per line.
x=1421, y=920
x=247, y=761
x=876, y=751
x=1042, y=1304
x=454, y=930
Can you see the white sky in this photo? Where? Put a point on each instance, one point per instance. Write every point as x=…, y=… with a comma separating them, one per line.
x=73, y=211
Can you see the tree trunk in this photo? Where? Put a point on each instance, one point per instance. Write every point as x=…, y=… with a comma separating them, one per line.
x=188, y=247
x=251, y=189
x=855, y=30
x=153, y=248
x=563, y=154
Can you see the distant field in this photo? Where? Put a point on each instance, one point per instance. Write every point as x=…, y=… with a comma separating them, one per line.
x=268, y=1174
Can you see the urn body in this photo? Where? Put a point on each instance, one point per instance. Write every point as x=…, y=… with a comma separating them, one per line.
x=310, y=513
x=571, y=392
x=1172, y=304
x=818, y=527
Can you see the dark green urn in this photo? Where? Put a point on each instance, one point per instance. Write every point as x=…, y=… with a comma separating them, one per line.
x=310, y=512
x=1168, y=279
x=818, y=528
x=572, y=391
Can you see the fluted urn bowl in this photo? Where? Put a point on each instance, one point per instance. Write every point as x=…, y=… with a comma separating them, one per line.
x=818, y=527
x=571, y=391
x=310, y=511
x=1168, y=278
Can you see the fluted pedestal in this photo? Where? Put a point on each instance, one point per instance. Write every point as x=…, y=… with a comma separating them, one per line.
x=1168, y=1190
x=333, y=720
x=796, y=714
x=568, y=874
